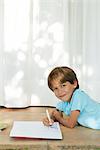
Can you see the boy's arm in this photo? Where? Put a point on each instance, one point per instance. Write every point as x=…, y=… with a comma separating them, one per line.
x=69, y=121
x=53, y=112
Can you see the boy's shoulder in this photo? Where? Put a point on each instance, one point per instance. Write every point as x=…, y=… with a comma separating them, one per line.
x=80, y=93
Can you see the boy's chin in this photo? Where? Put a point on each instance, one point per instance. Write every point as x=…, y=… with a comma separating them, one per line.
x=65, y=100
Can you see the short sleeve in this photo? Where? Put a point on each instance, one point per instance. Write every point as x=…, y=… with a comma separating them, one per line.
x=60, y=106
x=64, y=107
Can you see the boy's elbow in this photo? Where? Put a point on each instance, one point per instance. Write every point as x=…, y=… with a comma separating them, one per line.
x=72, y=126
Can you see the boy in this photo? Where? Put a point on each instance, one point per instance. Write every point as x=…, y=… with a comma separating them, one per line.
x=75, y=103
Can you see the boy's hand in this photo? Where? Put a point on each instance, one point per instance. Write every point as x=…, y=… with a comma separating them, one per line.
x=57, y=114
x=47, y=122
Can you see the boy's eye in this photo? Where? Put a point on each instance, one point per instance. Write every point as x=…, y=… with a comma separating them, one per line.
x=63, y=84
x=54, y=89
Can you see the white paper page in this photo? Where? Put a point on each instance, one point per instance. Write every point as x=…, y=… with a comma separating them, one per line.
x=35, y=129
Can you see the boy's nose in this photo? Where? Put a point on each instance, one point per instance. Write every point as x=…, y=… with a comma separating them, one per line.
x=60, y=91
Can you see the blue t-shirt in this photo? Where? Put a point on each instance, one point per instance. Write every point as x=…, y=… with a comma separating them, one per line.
x=89, y=109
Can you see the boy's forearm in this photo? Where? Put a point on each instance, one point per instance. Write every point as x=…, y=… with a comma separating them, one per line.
x=53, y=114
x=66, y=122
x=58, y=116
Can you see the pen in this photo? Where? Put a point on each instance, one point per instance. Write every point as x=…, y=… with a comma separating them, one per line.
x=47, y=112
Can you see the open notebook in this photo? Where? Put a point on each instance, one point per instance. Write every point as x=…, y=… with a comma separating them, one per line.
x=35, y=129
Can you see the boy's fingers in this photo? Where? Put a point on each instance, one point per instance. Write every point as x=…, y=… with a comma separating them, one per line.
x=47, y=123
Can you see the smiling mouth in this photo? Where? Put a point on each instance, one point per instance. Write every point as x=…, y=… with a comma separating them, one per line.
x=62, y=95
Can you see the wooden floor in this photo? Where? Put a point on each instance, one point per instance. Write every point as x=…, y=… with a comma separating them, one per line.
x=79, y=138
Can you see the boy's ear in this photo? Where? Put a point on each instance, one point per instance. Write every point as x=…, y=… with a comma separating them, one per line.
x=75, y=83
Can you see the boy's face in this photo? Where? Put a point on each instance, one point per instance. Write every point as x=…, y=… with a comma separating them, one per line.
x=63, y=91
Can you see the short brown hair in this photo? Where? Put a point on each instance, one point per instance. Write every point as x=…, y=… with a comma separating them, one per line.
x=67, y=75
